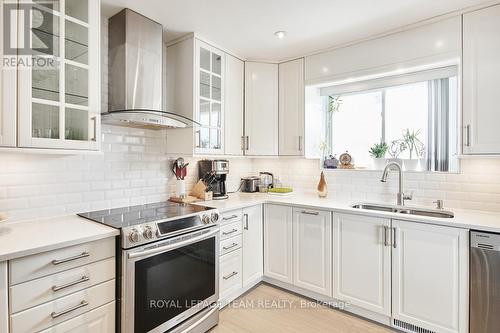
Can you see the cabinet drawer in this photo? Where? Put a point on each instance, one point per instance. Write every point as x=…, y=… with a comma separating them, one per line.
x=51, y=262
x=100, y=320
x=232, y=216
x=230, y=244
x=32, y=293
x=62, y=309
x=230, y=273
x=230, y=230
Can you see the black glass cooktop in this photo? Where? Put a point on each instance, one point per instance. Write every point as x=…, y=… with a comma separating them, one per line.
x=134, y=215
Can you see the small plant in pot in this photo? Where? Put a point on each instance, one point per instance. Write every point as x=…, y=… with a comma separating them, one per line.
x=415, y=147
x=378, y=151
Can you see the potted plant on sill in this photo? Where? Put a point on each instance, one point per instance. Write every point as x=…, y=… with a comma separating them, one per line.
x=415, y=148
x=377, y=152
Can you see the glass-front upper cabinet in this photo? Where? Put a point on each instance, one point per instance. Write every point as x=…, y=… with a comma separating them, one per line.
x=209, y=136
x=59, y=102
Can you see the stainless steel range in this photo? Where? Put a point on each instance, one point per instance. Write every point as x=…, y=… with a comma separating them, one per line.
x=168, y=263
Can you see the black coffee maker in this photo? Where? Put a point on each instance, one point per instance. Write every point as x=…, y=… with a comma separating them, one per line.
x=214, y=174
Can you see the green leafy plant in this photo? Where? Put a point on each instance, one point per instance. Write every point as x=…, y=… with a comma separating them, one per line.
x=334, y=103
x=378, y=150
x=413, y=143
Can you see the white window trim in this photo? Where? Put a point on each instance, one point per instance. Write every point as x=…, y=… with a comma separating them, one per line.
x=343, y=88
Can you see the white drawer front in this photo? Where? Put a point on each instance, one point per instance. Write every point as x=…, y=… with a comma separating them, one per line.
x=32, y=293
x=100, y=320
x=230, y=230
x=232, y=216
x=230, y=278
x=62, y=309
x=230, y=245
x=51, y=262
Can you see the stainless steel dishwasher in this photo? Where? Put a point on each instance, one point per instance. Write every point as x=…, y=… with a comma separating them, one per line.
x=484, y=282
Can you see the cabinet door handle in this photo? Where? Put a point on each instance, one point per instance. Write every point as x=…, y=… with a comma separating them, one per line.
x=78, y=256
x=230, y=232
x=230, y=247
x=246, y=222
x=310, y=213
x=386, y=242
x=300, y=143
x=393, y=236
x=247, y=142
x=467, y=136
x=229, y=217
x=242, y=142
x=69, y=284
x=94, y=121
x=227, y=277
x=71, y=309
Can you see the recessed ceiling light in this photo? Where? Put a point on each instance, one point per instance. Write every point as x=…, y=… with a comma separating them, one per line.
x=280, y=34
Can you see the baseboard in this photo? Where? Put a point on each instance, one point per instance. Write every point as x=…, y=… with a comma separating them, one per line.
x=238, y=293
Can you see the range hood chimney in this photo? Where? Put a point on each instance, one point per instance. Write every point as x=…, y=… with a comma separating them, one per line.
x=135, y=62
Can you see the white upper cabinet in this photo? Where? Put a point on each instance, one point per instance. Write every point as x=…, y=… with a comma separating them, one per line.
x=481, y=78
x=8, y=107
x=252, y=245
x=261, y=109
x=291, y=108
x=278, y=243
x=312, y=250
x=195, y=89
x=59, y=97
x=362, y=262
x=233, y=108
x=430, y=277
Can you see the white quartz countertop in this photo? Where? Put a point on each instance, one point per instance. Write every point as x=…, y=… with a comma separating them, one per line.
x=466, y=219
x=23, y=238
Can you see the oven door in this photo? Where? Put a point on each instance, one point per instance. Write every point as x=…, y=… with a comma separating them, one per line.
x=169, y=281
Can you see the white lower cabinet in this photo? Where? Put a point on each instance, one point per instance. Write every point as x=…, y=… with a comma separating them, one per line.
x=100, y=320
x=253, y=253
x=278, y=243
x=230, y=278
x=362, y=262
x=312, y=250
x=430, y=277
x=4, y=298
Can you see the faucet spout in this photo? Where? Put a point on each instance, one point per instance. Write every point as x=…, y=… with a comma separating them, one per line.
x=400, y=196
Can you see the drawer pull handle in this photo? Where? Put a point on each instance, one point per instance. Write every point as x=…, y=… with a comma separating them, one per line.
x=62, y=261
x=63, y=286
x=230, y=232
x=227, y=277
x=230, y=247
x=310, y=213
x=229, y=217
x=71, y=309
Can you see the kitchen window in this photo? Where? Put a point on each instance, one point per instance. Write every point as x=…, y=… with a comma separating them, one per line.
x=422, y=105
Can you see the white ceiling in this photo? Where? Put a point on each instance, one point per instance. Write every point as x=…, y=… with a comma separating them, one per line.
x=246, y=27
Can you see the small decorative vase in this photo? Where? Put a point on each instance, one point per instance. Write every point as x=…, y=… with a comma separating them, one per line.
x=379, y=163
x=322, y=187
x=410, y=164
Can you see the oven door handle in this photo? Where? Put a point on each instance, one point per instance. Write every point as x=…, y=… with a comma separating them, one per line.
x=173, y=246
x=202, y=319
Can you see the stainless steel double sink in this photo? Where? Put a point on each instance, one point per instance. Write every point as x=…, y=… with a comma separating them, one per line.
x=405, y=210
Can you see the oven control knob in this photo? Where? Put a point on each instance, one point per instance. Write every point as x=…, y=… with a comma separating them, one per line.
x=215, y=217
x=134, y=236
x=148, y=232
x=205, y=219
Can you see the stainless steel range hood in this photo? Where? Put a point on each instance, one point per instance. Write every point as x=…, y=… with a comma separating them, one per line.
x=135, y=62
